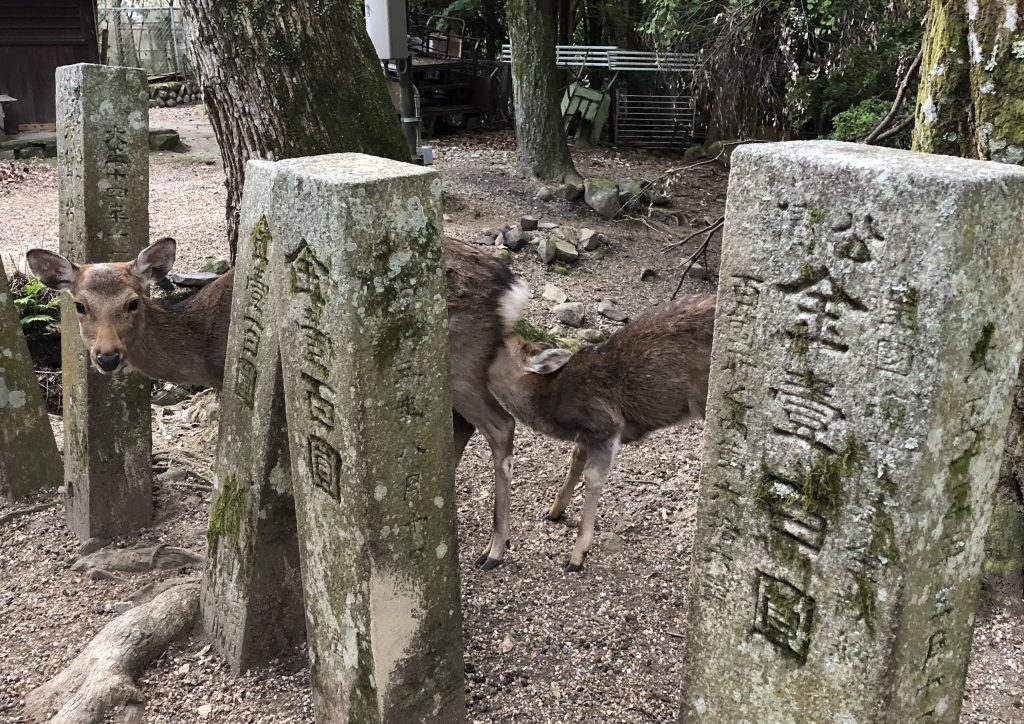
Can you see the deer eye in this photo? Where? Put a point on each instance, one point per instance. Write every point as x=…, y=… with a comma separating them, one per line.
x=133, y=305
x=79, y=307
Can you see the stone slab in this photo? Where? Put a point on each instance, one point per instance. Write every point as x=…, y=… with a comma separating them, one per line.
x=103, y=204
x=867, y=337
x=29, y=460
x=251, y=593
x=364, y=353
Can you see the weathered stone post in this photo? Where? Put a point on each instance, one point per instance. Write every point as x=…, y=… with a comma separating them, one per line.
x=252, y=588
x=364, y=351
x=103, y=175
x=868, y=331
x=29, y=460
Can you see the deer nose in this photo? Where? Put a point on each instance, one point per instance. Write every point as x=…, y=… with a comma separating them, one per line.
x=108, y=361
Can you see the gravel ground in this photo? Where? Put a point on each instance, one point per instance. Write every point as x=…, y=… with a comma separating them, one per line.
x=540, y=645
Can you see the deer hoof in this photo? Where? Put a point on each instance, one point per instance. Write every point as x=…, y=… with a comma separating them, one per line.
x=552, y=518
x=571, y=567
x=487, y=563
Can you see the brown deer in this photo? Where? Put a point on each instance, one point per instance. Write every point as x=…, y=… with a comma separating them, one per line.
x=186, y=343
x=651, y=374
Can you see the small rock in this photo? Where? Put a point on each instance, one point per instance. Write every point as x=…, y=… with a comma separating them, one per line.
x=560, y=269
x=215, y=265
x=184, y=669
x=610, y=310
x=570, y=191
x=547, y=226
x=484, y=239
x=693, y=153
x=589, y=239
x=447, y=218
x=528, y=223
x=173, y=475
x=697, y=271
x=647, y=274
x=91, y=545
x=501, y=252
x=571, y=314
x=32, y=152
x=594, y=336
x=713, y=149
x=556, y=330
x=602, y=195
x=658, y=199
x=194, y=279
x=566, y=251
x=169, y=395
x=515, y=239
x=163, y=139
x=546, y=193
x=546, y=250
x=122, y=607
x=507, y=644
x=554, y=294
x=205, y=710
x=630, y=186
x=630, y=201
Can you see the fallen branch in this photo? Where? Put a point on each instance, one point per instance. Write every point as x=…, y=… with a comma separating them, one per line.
x=701, y=251
x=882, y=130
x=27, y=510
x=100, y=682
x=137, y=560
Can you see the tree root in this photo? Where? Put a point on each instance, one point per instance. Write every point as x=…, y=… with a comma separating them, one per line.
x=101, y=681
x=137, y=560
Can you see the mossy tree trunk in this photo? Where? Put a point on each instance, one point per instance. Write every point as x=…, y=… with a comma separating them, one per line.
x=971, y=103
x=287, y=79
x=543, y=149
x=971, y=97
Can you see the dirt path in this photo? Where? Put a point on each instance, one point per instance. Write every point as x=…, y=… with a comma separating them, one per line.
x=603, y=646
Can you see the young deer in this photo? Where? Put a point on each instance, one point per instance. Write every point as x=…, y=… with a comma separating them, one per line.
x=651, y=374
x=186, y=343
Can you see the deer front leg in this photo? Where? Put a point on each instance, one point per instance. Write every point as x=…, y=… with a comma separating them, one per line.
x=564, y=495
x=600, y=459
x=500, y=435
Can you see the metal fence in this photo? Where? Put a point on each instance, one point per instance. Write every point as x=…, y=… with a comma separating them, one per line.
x=148, y=37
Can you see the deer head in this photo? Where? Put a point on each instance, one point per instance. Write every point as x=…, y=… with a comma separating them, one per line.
x=109, y=299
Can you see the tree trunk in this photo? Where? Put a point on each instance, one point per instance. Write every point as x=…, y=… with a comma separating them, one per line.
x=282, y=80
x=971, y=103
x=543, y=149
x=972, y=81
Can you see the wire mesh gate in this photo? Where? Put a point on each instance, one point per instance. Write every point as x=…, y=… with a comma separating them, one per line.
x=146, y=36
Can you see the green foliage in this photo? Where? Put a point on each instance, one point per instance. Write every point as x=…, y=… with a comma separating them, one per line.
x=854, y=124
x=35, y=302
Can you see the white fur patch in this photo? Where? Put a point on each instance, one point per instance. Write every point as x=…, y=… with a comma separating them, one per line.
x=512, y=303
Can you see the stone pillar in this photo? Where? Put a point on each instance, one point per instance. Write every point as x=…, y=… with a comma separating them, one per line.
x=869, y=326
x=24, y=425
x=364, y=352
x=103, y=201
x=251, y=598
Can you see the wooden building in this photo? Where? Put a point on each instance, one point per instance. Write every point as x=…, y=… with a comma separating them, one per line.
x=37, y=36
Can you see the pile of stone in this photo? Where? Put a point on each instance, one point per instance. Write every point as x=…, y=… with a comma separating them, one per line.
x=554, y=243
x=574, y=315
x=174, y=93
x=607, y=197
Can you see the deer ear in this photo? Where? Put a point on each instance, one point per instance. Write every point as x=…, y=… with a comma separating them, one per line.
x=155, y=261
x=53, y=270
x=548, y=361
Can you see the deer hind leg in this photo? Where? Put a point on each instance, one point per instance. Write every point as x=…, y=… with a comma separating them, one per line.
x=564, y=495
x=600, y=459
x=499, y=431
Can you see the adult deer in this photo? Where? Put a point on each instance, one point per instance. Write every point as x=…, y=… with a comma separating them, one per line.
x=186, y=343
x=651, y=374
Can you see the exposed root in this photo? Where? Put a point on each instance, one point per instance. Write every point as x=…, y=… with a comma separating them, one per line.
x=137, y=560
x=101, y=681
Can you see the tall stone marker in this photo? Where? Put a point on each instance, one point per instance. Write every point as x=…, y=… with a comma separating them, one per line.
x=364, y=352
x=870, y=314
x=29, y=460
x=103, y=196
x=252, y=587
